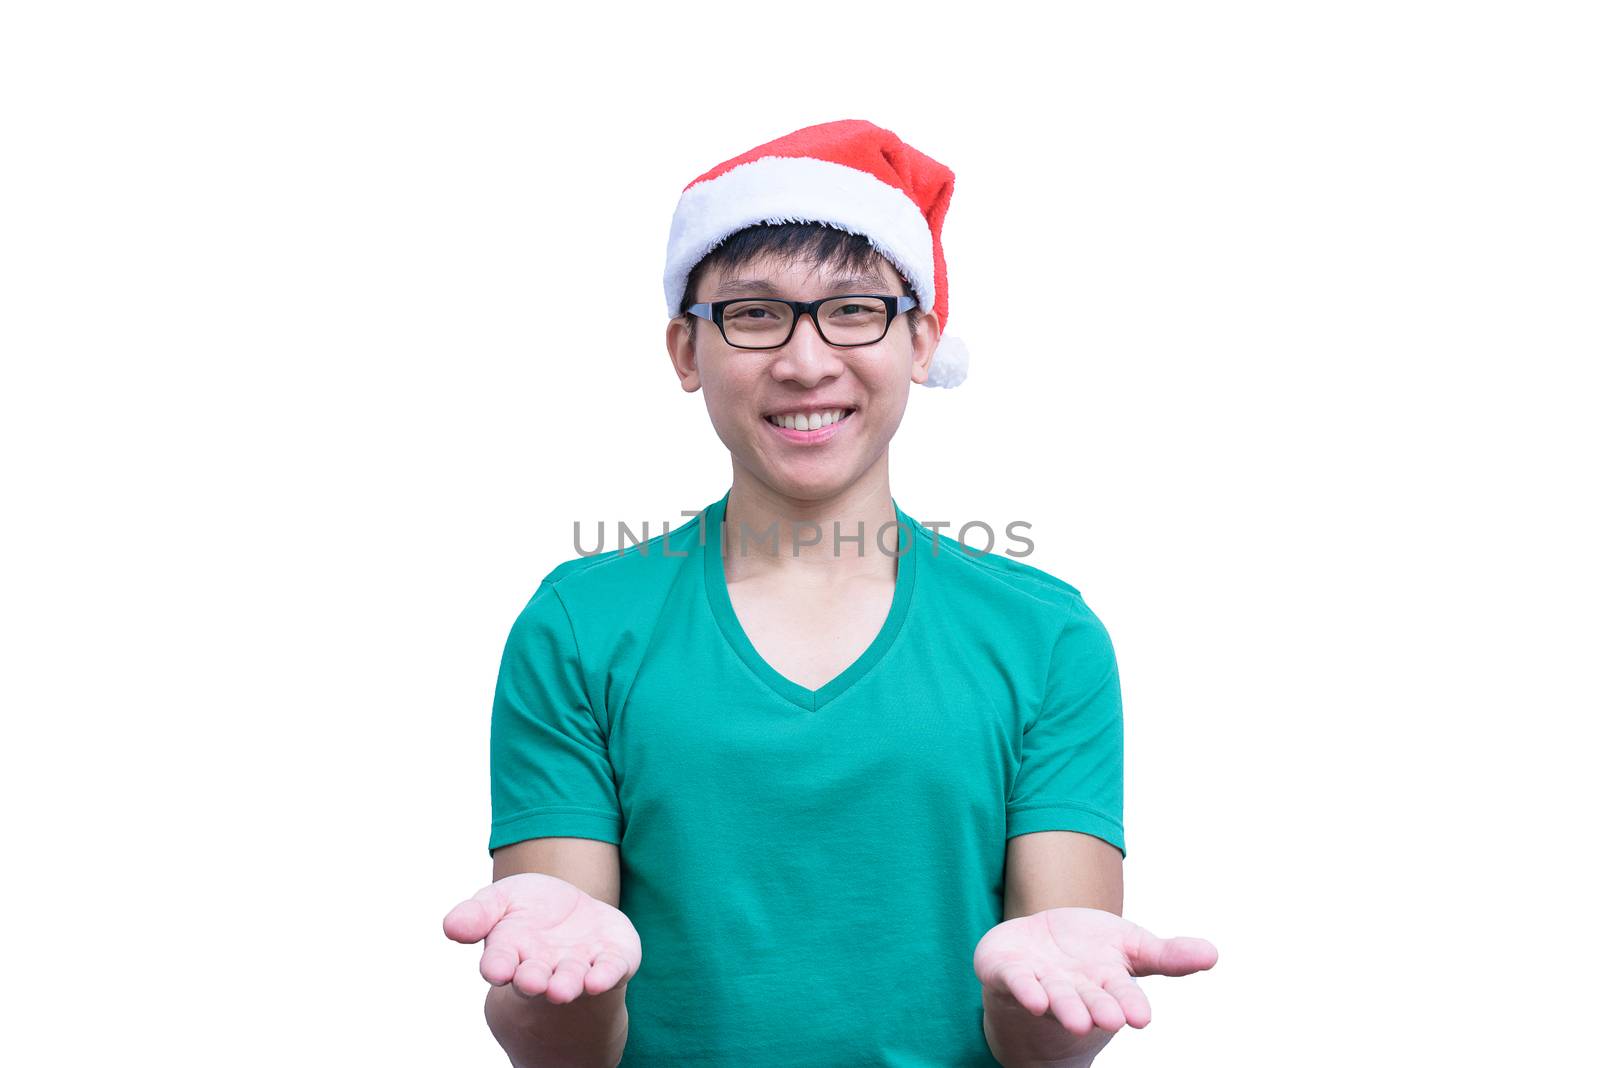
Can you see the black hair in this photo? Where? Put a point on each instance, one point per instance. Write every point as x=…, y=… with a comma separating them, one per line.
x=815, y=243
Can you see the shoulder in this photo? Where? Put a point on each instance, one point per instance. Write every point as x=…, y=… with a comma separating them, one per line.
x=1020, y=590
x=620, y=583
x=1009, y=610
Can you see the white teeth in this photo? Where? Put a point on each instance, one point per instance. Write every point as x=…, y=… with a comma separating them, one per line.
x=814, y=421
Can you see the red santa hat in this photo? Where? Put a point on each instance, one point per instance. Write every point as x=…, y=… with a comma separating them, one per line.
x=849, y=174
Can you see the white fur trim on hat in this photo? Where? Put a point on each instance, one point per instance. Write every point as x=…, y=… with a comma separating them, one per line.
x=781, y=189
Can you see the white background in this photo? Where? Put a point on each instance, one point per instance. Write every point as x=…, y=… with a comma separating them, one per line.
x=1283, y=321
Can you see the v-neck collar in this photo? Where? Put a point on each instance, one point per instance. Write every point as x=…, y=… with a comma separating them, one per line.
x=716, y=584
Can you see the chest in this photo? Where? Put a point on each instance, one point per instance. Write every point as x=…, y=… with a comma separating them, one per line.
x=811, y=636
x=710, y=744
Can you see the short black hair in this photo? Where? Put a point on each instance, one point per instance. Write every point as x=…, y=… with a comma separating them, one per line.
x=816, y=243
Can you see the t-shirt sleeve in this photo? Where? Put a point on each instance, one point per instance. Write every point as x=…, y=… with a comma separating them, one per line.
x=1070, y=778
x=549, y=767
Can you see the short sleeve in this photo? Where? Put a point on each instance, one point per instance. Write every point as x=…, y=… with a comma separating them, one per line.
x=549, y=767
x=1070, y=777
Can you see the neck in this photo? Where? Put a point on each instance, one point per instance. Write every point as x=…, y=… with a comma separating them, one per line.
x=788, y=534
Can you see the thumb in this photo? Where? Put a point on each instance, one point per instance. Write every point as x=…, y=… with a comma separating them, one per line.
x=475, y=917
x=1150, y=955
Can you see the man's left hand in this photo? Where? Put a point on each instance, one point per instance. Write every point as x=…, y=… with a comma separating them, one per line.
x=1078, y=964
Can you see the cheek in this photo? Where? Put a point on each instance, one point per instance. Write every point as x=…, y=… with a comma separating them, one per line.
x=727, y=394
x=889, y=394
x=888, y=381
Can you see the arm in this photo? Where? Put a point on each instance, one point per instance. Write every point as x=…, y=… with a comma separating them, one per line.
x=1046, y=870
x=555, y=899
x=1058, y=971
x=1052, y=869
x=591, y=1030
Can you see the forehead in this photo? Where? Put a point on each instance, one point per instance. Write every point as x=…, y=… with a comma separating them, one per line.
x=774, y=277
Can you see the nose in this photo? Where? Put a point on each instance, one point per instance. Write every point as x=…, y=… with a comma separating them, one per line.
x=806, y=357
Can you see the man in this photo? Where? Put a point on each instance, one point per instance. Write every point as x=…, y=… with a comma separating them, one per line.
x=803, y=781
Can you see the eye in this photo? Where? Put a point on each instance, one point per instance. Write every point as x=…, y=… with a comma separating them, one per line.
x=856, y=310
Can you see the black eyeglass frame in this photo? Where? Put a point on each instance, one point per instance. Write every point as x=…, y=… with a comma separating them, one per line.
x=896, y=304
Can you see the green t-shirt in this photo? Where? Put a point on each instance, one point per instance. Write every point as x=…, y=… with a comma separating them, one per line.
x=809, y=870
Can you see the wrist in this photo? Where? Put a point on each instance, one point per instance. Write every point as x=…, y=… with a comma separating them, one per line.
x=587, y=1032
x=1019, y=1039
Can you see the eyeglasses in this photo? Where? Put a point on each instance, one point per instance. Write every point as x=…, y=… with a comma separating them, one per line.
x=845, y=322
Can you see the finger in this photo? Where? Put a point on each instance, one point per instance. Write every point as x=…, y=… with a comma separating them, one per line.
x=566, y=982
x=503, y=952
x=476, y=916
x=1066, y=1005
x=1150, y=955
x=532, y=978
x=1024, y=986
x=1135, y=1006
x=607, y=970
x=1103, y=1008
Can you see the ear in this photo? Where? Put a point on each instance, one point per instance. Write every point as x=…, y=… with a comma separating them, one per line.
x=924, y=343
x=681, y=350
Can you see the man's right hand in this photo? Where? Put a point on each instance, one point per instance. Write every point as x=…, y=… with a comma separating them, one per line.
x=546, y=938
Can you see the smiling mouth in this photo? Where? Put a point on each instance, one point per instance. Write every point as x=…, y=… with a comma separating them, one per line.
x=811, y=421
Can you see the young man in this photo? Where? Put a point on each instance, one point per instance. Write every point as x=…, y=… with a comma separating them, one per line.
x=803, y=781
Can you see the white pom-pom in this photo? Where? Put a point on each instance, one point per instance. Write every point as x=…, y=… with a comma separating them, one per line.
x=949, y=367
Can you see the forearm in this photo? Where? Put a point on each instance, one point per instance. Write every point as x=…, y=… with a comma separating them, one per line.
x=1019, y=1039
x=587, y=1033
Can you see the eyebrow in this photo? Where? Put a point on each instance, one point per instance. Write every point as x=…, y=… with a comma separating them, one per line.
x=760, y=287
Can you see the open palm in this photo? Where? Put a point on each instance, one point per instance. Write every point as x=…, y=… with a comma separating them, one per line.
x=546, y=937
x=1078, y=964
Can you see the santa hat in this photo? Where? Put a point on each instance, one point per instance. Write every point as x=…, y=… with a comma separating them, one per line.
x=849, y=174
